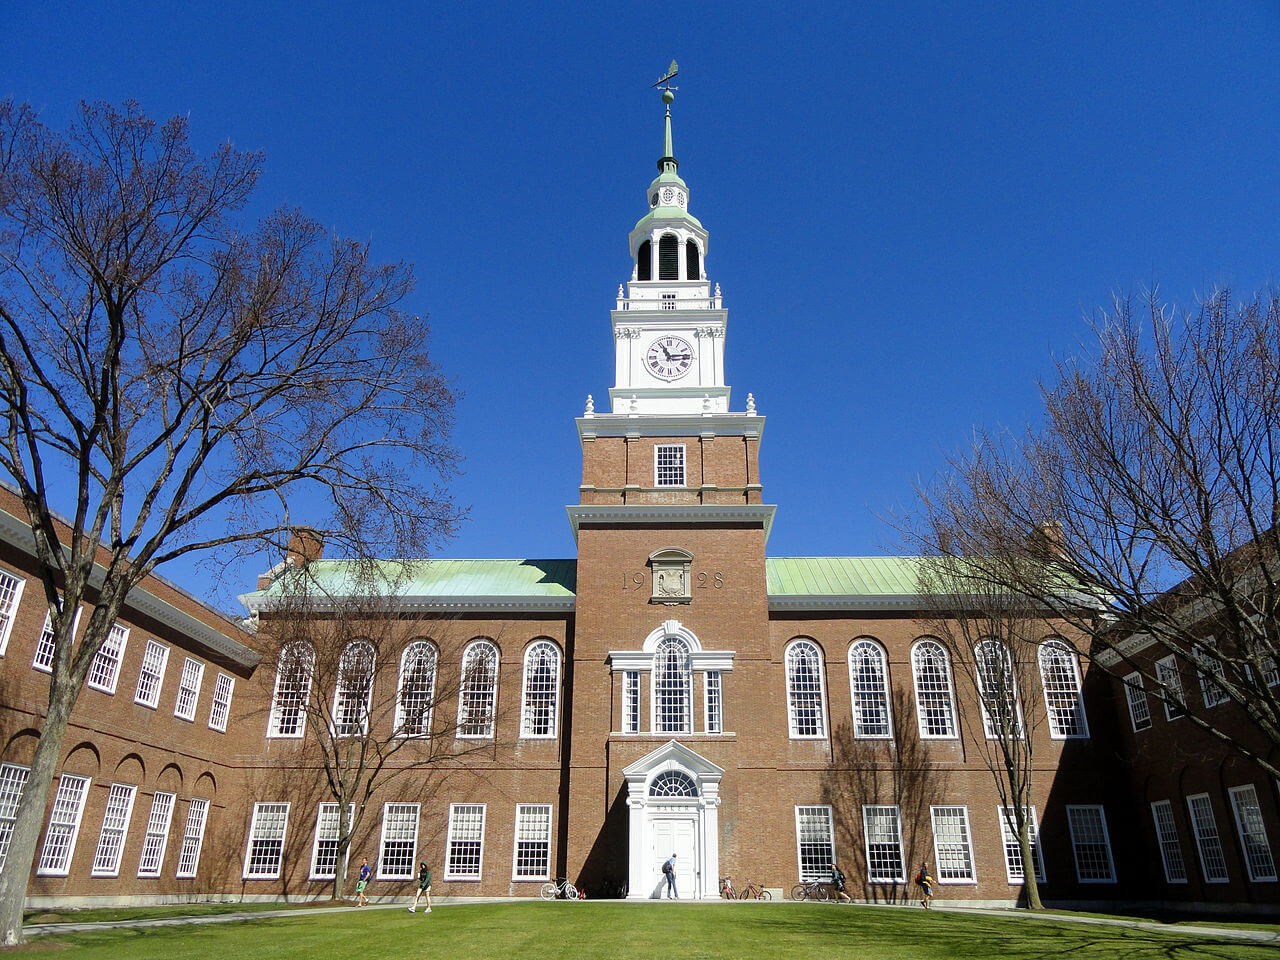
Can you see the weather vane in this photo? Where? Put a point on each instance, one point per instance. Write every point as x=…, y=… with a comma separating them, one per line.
x=668, y=91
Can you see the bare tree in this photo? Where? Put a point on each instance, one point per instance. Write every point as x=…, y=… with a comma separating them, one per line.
x=183, y=382
x=1146, y=504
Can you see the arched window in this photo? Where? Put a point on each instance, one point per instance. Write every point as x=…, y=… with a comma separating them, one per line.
x=805, y=690
x=669, y=257
x=541, y=684
x=693, y=271
x=997, y=690
x=479, y=694
x=417, y=689
x=644, y=261
x=935, y=697
x=293, y=690
x=868, y=679
x=673, y=783
x=672, y=687
x=1060, y=676
x=353, y=689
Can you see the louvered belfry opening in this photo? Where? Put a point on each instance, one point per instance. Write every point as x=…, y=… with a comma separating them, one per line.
x=669, y=257
x=644, y=261
x=692, y=270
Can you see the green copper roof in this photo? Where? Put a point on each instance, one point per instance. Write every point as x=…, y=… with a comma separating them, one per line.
x=530, y=579
x=842, y=576
x=668, y=213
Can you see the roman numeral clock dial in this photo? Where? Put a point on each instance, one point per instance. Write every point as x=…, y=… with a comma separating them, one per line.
x=669, y=358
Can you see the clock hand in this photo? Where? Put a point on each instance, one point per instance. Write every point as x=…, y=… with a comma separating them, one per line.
x=664, y=351
x=679, y=356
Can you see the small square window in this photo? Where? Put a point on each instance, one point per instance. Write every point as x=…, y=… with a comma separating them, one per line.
x=669, y=465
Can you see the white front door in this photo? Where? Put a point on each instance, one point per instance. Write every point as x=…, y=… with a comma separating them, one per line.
x=678, y=836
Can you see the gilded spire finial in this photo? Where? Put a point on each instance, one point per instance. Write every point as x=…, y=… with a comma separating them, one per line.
x=668, y=160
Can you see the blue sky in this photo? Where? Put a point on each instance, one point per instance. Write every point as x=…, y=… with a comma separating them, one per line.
x=913, y=207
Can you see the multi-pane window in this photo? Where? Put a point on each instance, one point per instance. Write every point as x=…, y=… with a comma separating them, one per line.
x=1253, y=833
x=478, y=697
x=324, y=851
x=541, y=683
x=868, y=678
x=1060, y=677
x=1270, y=670
x=464, y=852
x=104, y=672
x=417, y=689
x=154, y=660
x=935, y=699
x=399, y=841
x=1091, y=844
x=668, y=465
x=1213, y=864
x=815, y=842
x=10, y=594
x=1013, y=864
x=193, y=837
x=673, y=783
x=672, y=687
x=1170, y=679
x=714, y=701
x=952, y=844
x=805, y=691
x=532, y=855
x=266, y=841
x=354, y=689
x=220, y=706
x=1135, y=696
x=157, y=838
x=631, y=701
x=12, y=780
x=43, y=659
x=184, y=707
x=115, y=824
x=1175, y=867
x=293, y=690
x=883, y=833
x=64, y=825
x=1210, y=668
x=997, y=690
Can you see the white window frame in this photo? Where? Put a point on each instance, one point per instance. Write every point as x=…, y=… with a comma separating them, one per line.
x=1171, y=691
x=1208, y=837
x=454, y=809
x=467, y=689
x=155, y=842
x=713, y=701
x=224, y=689
x=1171, y=856
x=66, y=813
x=36, y=662
x=316, y=839
x=921, y=726
x=1077, y=815
x=1135, y=696
x=192, y=836
x=347, y=689
x=657, y=701
x=1014, y=694
x=1251, y=828
x=1009, y=843
x=879, y=809
x=11, y=584
x=157, y=670
x=525, y=813
x=1209, y=668
x=304, y=653
x=259, y=809
x=1055, y=652
x=867, y=643
x=631, y=701
x=793, y=702
x=120, y=633
x=540, y=648
x=13, y=777
x=657, y=460
x=116, y=817
x=188, y=699
x=412, y=652
x=822, y=871
x=383, y=840
x=965, y=842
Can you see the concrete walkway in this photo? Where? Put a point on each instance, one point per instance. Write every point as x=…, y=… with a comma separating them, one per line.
x=1174, y=929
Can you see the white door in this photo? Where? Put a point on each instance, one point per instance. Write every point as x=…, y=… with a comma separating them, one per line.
x=678, y=837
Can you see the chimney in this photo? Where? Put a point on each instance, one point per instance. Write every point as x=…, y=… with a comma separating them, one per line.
x=1048, y=540
x=305, y=545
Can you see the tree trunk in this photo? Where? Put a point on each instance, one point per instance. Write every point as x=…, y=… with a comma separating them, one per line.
x=1030, y=876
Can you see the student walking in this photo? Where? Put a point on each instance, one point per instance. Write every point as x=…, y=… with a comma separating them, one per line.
x=837, y=884
x=669, y=871
x=424, y=888
x=362, y=881
x=926, y=886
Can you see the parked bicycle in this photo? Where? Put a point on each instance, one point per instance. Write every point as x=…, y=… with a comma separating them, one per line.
x=562, y=888
x=811, y=890
x=726, y=889
x=754, y=891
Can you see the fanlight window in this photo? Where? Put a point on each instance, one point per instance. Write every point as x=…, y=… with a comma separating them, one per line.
x=354, y=689
x=479, y=692
x=1060, y=676
x=417, y=689
x=672, y=687
x=644, y=261
x=673, y=783
x=997, y=690
x=804, y=690
x=293, y=689
x=868, y=674
x=669, y=257
x=935, y=702
x=541, y=682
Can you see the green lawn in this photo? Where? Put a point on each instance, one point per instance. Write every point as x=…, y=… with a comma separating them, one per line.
x=534, y=931
x=108, y=914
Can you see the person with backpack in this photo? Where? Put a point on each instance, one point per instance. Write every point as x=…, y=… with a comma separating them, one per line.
x=837, y=884
x=926, y=886
x=669, y=871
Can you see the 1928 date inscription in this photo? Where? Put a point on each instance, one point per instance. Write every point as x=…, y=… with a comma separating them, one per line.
x=701, y=581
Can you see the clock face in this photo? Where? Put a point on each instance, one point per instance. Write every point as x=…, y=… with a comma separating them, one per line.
x=669, y=358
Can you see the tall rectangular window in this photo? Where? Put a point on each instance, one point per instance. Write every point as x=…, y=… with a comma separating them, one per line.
x=532, y=855
x=668, y=465
x=115, y=824
x=193, y=837
x=1091, y=844
x=714, y=702
x=263, y=858
x=815, y=842
x=154, y=660
x=952, y=844
x=189, y=689
x=1136, y=697
x=1213, y=864
x=12, y=780
x=1013, y=864
x=324, y=852
x=1175, y=867
x=64, y=826
x=464, y=851
x=1210, y=670
x=10, y=594
x=220, y=707
x=104, y=672
x=399, y=841
x=883, y=832
x=1171, y=682
x=631, y=701
x=157, y=838
x=1253, y=833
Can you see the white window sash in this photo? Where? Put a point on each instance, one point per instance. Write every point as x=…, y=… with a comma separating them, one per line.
x=13, y=777
x=471, y=693
x=794, y=701
x=259, y=812
x=384, y=860
x=11, y=586
x=1251, y=828
x=816, y=813
x=681, y=457
x=1057, y=654
x=885, y=812
x=953, y=731
x=1171, y=856
x=409, y=658
x=1009, y=839
x=156, y=839
x=274, y=718
x=529, y=815
x=112, y=649
x=1172, y=693
x=184, y=708
x=192, y=837
x=713, y=700
x=1135, y=695
x=528, y=720
x=114, y=830
x=224, y=690
x=454, y=827
x=155, y=661
x=1080, y=817
x=881, y=661
x=966, y=843
x=631, y=701
x=1209, y=849
x=64, y=822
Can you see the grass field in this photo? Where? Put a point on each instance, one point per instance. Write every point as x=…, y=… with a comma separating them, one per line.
x=108, y=914
x=593, y=931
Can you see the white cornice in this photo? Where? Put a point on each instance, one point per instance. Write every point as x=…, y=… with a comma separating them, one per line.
x=661, y=425
x=642, y=660
x=666, y=514
x=441, y=604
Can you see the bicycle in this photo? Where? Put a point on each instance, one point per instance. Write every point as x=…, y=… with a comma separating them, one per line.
x=754, y=891
x=561, y=888
x=726, y=889
x=811, y=890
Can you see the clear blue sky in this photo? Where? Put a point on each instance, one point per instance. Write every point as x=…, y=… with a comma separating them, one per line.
x=912, y=206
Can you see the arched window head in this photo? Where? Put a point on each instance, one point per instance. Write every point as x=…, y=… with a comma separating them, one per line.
x=672, y=687
x=669, y=257
x=417, y=690
x=541, y=686
x=294, y=670
x=997, y=690
x=692, y=264
x=935, y=696
x=644, y=261
x=868, y=679
x=673, y=783
x=354, y=689
x=1060, y=677
x=479, y=694
x=806, y=711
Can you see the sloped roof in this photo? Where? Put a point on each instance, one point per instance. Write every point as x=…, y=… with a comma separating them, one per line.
x=842, y=576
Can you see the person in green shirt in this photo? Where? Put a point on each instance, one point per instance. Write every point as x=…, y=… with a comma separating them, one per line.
x=424, y=887
x=837, y=884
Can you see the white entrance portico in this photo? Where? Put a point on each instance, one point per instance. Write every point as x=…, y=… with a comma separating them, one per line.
x=673, y=798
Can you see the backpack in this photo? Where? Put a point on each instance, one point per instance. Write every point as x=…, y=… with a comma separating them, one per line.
x=666, y=866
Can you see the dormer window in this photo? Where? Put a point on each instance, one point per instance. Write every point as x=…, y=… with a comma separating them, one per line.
x=669, y=257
